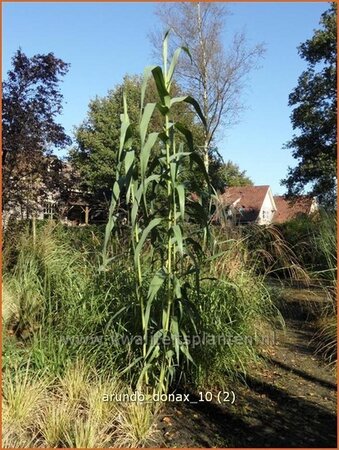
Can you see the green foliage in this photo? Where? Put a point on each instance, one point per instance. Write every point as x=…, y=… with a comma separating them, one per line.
x=273, y=255
x=229, y=329
x=67, y=309
x=313, y=239
x=315, y=115
x=227, y=174
x=98, y=137
x=31, y=104
x=63, y=306
x=235, y=311
x=298, y=234
x=325, y=244
x=326, y=337
x=166, y=303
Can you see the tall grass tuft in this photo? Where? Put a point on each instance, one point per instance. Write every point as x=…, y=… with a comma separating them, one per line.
x=325, y=243
x=39, y=412
x=236, y=312
x=59, y=306
x=136, y=426
x=24, y=395
x=273, y=256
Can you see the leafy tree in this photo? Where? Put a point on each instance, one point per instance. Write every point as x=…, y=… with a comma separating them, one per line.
x=226, y=174
x=215, y=74
x=314, y=115
x=98, y=137
x=31, y=103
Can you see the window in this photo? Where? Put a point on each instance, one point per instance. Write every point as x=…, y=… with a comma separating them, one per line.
x=266, y=214
x=49, y=210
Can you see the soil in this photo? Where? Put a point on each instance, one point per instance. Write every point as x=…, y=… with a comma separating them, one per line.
x=288, y=400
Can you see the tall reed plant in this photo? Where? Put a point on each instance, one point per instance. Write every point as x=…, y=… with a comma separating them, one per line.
x=158, y=226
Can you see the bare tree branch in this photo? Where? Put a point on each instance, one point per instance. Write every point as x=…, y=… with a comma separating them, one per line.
x=217, y=74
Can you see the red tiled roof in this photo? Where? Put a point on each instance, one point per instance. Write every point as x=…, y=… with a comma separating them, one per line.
x=250, y=196
x=287, y=210
x=250, y=199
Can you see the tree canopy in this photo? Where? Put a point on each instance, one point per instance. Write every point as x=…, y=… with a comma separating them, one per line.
x=97, y=141
x=97, y=138
x=314, y=115
x=31, y=104
x=226, y=174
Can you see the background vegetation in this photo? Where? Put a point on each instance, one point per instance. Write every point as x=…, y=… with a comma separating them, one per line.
x=60, y=313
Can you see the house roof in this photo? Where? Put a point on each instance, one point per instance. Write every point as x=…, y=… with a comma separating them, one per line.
x=250, y=196
x=247, y=200
x=287, y=209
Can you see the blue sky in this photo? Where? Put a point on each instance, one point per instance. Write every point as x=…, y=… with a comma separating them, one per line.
x=104, y=41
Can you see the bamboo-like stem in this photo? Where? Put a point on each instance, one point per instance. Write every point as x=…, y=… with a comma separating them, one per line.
x=170, y=219
x=140, y=299
x=170, y=189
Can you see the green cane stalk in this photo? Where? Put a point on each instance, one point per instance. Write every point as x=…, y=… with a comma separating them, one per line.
x=139, y=173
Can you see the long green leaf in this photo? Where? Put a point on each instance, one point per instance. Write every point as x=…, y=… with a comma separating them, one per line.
x=145, y=119
x=165, y=53
x=197, y=108
x=117, y=186
x=180, y=188
x=173, y=65
x=175, y=336
x=146, y=77
x=146, y=151
x=154, y=342
x=195, y=157
x=187, y=133
x=156, y=283
x=153, y=223
x=178, y=237
x=160, y=82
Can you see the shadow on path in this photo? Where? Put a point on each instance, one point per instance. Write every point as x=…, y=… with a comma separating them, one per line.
x=288, y=401
x=301, y=373
x=274, y=419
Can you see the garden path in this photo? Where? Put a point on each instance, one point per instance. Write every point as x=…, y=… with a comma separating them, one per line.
x=288, y=401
